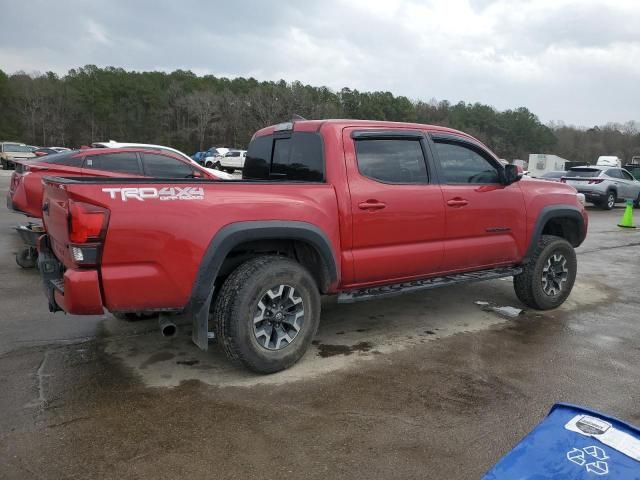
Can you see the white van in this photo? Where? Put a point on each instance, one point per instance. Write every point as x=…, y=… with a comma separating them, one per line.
x=609, y=161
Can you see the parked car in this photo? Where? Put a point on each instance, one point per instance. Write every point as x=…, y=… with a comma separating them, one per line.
x=633, y=169
x=604, y=186
x=198, y=157
x=232, y=160
x=554, y=176
x=114, y=144
x=42, y=151
x=25, y=189
x=213, y=155
x=359, y=209
x=12, y=151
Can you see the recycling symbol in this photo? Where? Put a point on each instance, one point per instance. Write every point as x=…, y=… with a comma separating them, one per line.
x=591, y=458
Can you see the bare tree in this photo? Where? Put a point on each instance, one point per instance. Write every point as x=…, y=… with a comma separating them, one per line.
x=203, y=107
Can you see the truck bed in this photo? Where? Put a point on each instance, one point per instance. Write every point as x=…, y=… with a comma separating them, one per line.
x=158, y=235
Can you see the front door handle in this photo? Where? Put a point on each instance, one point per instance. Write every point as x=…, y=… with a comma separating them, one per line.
x=371, y=205
x=457, y=202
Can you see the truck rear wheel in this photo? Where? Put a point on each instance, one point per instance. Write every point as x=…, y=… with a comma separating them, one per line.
x=267, y=313
x=548, y=278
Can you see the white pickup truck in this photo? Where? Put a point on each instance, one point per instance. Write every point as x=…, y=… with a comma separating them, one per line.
x=232, y=160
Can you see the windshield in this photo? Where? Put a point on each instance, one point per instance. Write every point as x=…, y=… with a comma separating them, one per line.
x=584, y=172
x=13, y=147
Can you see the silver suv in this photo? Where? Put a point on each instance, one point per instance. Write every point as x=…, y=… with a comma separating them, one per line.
x=604, y=186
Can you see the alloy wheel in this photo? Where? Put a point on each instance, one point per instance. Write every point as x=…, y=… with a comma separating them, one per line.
x=554, y=274
x=278, y=318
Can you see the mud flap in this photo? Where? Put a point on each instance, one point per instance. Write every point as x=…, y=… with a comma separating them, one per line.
x=200, y=320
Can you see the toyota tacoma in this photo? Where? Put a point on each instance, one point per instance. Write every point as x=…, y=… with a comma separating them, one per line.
x=357, y=209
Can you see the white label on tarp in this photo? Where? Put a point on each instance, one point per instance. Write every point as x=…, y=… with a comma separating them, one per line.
x=606, y=433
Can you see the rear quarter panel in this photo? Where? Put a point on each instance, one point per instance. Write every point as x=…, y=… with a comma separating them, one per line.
x=153, y=248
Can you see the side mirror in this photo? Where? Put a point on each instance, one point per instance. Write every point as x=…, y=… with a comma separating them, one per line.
x=197, y=174
x=511, y=174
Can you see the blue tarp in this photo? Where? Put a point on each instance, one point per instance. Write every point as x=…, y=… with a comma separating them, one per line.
x=551, y=451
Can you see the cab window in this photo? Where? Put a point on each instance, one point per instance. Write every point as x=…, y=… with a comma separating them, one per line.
x=460, y=164
x=392, y=160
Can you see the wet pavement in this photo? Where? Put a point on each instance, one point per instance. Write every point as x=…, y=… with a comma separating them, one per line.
x=429, y=385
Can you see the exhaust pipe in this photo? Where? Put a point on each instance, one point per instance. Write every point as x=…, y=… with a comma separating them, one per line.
x=167, y=327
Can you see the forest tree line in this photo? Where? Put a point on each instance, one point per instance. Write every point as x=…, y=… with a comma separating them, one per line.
x=191, y=113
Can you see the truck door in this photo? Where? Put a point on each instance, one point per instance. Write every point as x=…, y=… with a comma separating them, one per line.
x=397, y=209
x=486, y=224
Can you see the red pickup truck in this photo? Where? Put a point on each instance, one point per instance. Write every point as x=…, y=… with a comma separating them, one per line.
x=359, y=209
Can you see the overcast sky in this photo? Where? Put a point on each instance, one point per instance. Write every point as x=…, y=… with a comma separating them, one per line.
x=571, y=60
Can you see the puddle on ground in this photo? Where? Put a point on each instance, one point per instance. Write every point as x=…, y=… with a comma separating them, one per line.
x=349, y=335
x=325, y=351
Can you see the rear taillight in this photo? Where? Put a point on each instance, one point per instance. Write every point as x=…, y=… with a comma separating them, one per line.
x=596, y=181
x=87, y=223
x=15, y=181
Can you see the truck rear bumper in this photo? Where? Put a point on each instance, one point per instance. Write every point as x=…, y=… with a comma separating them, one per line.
x=75, y=291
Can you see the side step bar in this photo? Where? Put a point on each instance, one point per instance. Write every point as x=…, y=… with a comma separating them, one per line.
x=383, y=291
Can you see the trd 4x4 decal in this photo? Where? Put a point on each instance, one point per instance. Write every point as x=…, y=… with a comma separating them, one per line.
x=165, y=193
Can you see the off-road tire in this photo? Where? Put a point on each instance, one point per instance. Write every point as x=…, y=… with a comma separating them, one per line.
x=636, y=203
x=606, y=203
x=235, y=308
x=528, y=284
x=5, y=165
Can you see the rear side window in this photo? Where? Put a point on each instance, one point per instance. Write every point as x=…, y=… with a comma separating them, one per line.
x=461, y=164
x=69, y=159
x=392, y=160
x=126, y=162
x=161, y=166
x=298, y=157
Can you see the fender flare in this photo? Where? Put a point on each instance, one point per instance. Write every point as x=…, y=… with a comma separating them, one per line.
x=555, y=211
x=197, y=310
x=234, y=234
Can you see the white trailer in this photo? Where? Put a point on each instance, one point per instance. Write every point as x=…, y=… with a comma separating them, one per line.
x=609, y=161
x=541, y=163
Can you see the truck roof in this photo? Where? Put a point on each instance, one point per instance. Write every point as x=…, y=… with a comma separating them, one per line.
x=339, y=124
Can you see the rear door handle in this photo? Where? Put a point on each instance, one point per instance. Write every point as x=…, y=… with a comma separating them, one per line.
x=457, y=202
x=371, y=205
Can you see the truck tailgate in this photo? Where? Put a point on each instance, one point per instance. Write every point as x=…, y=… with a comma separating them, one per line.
x=55, y=216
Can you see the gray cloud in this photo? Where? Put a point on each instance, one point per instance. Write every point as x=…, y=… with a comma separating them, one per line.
x=577, y=61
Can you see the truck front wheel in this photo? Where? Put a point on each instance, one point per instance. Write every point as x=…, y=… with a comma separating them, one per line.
x=267, y=313
x=548, y=277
